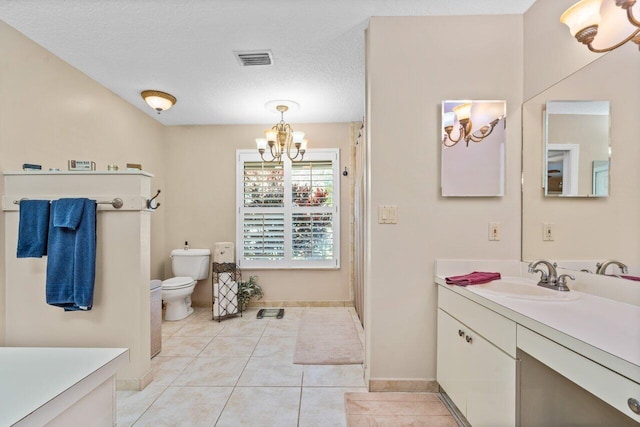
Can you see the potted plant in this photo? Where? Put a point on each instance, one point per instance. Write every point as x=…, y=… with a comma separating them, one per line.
x=248, y=290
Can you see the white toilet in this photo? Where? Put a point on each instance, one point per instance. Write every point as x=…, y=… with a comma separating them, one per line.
x=189, y=266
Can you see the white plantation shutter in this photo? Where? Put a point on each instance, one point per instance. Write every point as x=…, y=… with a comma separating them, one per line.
x=288, y=213
x=263, y=236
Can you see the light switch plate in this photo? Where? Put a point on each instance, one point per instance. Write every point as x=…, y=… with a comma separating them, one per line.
x=548, y=232
x=387, y=214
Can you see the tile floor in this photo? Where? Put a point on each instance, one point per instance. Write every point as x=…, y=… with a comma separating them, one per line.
x=239, y=372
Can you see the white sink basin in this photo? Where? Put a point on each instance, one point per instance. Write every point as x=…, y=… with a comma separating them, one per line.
x=520, y=288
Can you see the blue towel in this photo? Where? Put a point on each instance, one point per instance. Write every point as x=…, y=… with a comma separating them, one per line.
x=33, y=228
x=71, y=266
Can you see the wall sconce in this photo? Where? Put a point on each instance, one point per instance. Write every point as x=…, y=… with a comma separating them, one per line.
x=462, y=113
x=159, y=101
x=583, y=20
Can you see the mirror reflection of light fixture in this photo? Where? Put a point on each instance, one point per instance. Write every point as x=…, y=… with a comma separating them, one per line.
x=281, y=137
x=583, y=20
x=159, y=101
x=462, y=112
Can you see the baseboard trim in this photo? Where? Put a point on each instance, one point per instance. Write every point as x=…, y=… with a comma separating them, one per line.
x=406, y=385
x=135, y=384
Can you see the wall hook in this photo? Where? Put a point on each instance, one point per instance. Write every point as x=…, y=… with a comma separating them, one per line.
x=345, y=172
x=152, y=204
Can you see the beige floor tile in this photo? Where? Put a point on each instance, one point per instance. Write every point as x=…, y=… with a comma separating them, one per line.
x=242, y=328
x=333, y=376
x=322, y=407
x=184, y=346
x=270, y=373
x=276, y=347
x=261, y=407
x=282, y=327
x=186, y=406
x=212, y=372
x=166, y=369
x=169, y=328
x=132, y=404
x=207, y=328
x=230, y=347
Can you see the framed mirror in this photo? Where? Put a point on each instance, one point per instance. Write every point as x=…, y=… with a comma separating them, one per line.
x=473, y=148
x=576, y=154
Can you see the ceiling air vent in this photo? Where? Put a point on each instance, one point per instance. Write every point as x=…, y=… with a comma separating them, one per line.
x=255, y=57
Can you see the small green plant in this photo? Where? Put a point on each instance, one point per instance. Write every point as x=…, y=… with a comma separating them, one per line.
x=248, y=290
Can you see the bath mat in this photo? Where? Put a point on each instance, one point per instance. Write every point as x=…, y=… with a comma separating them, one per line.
x=396, y=409
x=328, y=336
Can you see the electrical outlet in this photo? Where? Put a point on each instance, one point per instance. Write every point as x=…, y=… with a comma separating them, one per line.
x=494, y=231
x=548, y=232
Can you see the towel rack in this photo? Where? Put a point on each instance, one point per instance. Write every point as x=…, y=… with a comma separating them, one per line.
x=116, y=203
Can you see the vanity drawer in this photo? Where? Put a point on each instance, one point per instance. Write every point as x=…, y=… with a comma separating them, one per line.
x=598, y=380
x=496, y=328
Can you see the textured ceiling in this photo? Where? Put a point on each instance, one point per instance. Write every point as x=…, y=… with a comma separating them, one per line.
x=185, y=47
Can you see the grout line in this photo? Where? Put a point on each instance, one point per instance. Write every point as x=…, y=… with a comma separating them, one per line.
x=300, y=400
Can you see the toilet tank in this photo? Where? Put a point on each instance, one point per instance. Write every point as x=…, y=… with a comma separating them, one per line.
x=191, y=262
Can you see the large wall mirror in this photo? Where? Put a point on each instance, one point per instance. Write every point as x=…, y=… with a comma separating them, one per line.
x=587, y=230
x=576, y=155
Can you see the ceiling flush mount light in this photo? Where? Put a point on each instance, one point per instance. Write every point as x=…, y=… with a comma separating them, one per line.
x=583, y=20
x=462, y=113
x=159, y=101
x=281, y=138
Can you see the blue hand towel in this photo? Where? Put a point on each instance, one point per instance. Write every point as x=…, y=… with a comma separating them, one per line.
x=72, y=254
x=33, y=228
x=68, y=213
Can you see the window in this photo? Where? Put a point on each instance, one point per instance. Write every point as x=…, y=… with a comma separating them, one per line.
x=288, y=215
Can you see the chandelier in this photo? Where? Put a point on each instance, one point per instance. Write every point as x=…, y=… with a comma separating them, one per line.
x=281, y=138
x=462, y=113
x=583, y=20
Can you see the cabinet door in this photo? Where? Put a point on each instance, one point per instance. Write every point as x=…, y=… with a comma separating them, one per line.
x=491, y=393
x=452, y=371
x=478, y=377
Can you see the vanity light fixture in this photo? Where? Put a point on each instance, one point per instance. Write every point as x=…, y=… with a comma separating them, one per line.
x=462, y=113
x=281, y=136
x=583, y=20
x=159, y=101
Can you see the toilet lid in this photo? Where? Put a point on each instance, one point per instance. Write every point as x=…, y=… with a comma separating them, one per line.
x=177, y=282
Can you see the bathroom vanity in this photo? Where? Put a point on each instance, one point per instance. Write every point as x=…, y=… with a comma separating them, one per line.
x=59, y=386
x=484, y=335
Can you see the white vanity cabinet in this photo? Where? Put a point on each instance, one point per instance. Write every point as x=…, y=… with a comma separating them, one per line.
x=476, y=363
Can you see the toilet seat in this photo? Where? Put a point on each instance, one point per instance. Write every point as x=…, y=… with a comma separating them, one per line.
x=177, y=283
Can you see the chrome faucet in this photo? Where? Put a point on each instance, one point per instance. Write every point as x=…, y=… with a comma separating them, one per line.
x=549, y=279
x=545, y=277
x=601, y=267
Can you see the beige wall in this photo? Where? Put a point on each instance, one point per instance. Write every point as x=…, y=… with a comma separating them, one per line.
x=50, y=112
x=413, y=65
x=201, y=197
